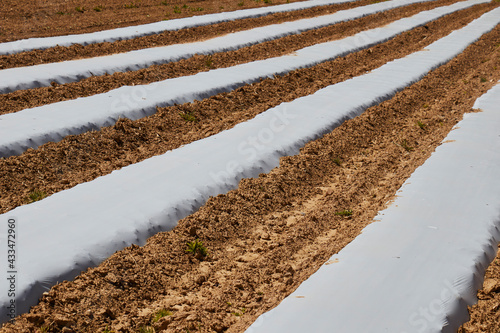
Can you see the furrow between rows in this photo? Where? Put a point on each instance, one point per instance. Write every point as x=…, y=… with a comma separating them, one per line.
x=201, y=169
x=34, y=127
x=13, y=79
x=155, y=28
x=188, y=35
x=58, y=166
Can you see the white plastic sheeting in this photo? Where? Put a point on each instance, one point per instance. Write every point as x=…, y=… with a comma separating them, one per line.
x=70, y=71
x=77, y=228
x=33, y=127
x=418, y=267
x=155, y=28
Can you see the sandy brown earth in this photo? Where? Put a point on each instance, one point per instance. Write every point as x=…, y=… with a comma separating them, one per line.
x=166, y=38
x=43, y=18
x=99, y=84
x=274, y=231
x=84, y=157
x=485, y=315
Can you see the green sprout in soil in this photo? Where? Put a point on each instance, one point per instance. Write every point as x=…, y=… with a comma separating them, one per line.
x=483, y=79
x=239, y=314
x=267, y=2
x=337, y=161
x=98, y=8
x=185, y=6
x=406, y=146
x=131, y=5
x=241, y=3
x=197, y=9
x=177, y=10
x=188, y=116
x=345, y=212
x=36, y=195
x=80, y=9
x=196, y=248
x=107, y=330
x=421, y=124
x=60, y=13
x=164, y=3
x=160, y=314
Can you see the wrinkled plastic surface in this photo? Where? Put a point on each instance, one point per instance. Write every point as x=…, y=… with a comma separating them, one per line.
x=71, y=230
x=74, y=70
x=155, y=28
x=421, y=263
x=33, y=127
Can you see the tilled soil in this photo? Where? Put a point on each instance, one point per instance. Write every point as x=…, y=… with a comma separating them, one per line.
x=76, y=159
x=274, y=231
x=166, y=38
x=23, y=99
x=39, y=18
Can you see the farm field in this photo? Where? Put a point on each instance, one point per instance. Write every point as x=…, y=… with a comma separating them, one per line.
x=268, y=235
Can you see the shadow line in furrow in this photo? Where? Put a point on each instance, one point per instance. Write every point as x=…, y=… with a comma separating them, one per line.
x=187, y=35
x=76, y=159
x=20, y=100
x=274, y=231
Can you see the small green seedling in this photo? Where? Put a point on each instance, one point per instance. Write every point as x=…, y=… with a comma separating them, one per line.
x=160, y=314
x=483, y=79
x=164, y=3
x=337, y=161
x=177, y=10
x=421, y=124
x=406, y=146
x=197, y=248
x=239, y=314
x=80, y=9
x=197, y=9
x=188, y=116
x=185, y=6
x=107, y=330
x=60, y=13
x=241, y=3
x=98, y=8
x=345, y=212
x=131, y=5
x=36, y=195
